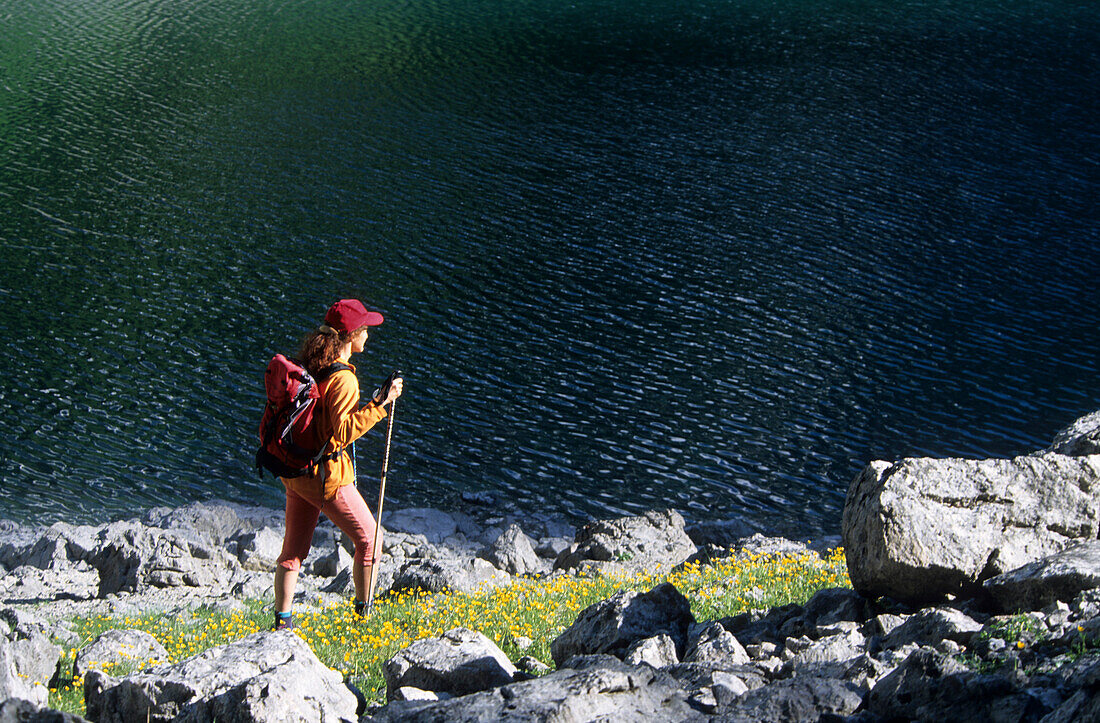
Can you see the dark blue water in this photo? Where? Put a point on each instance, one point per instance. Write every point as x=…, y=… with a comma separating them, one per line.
x=708, y=255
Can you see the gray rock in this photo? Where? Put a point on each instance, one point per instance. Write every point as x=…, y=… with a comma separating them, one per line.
x=884, y=624
x=931, y=686
x=49, y=563
x=263, y=677
x=332, y=562
x=715, y=644
x=26, y=583
x=435, y=525
x=655, y=540
x=459, y=662
x=15, y=710
x=410, y=693
x=259, y=549
x=834, y=605
x=23, y=623
x=58, y=547
x=1086, y=605
x=921, y=529
x=28, y=663
x=114, y=648
x=758, y=544
x=612, y=626
x=513, y=553
x=721, y=533
x=932, y=625
x=601, y=689
x=402, y=546
x=1083, y=705
x=252, y=585
x=696, y=676
x=531, y=664
x=1080, y=438
x=551, y=547
x=437, y=575
x=841, y=648
x=793, y=701
x=213, y=523
x=131, y=556
x=752, y=629
x=709, y=686
x=1058, y=577
x=658, y=651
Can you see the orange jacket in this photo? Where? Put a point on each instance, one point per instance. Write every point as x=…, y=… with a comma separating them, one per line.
x=341, y=422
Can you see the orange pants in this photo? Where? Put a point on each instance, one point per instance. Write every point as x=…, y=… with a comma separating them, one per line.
x=347, y=510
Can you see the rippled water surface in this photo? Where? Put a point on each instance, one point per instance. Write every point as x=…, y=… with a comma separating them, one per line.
x=708, y=255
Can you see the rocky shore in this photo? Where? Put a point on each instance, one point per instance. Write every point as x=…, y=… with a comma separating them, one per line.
x=977, y=597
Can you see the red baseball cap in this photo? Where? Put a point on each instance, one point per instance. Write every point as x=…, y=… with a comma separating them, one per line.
x=348, y=315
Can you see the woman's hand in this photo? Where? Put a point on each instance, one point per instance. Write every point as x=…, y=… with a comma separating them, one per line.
x=395, y=390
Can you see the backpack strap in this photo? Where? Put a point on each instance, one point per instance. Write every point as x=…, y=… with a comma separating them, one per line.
x=331, y=369
x=322, y=376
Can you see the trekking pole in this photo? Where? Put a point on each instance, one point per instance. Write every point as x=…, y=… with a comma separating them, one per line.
x=375, y=552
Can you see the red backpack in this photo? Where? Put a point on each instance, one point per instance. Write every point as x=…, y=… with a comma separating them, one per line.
x=288, y=442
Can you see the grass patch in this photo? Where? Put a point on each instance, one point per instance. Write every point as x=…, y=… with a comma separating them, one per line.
x=523, y=618
x=1016, y=630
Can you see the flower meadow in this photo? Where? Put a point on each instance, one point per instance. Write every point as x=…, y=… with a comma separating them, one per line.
x=523, y=617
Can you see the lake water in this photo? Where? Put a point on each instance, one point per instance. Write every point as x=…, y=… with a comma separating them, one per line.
x=709, y=255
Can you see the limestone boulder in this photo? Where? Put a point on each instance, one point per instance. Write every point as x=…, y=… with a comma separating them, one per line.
x=28, y=663
x=1080, y=438
x=656, y=540
x=448, y=573
x=658, y=651
x=930, y=626
x=459, y=662
x=131, y=556
x=795, y=699
x=259, y=549
x=614, y=625
x=513, y=552
x=1059, y=577
x=598, y=689
x=435, y=525
x=119, y=648
x=15, y=710
x=715, y=644
x=918, y=530
x=263, y=677
x=930, y=686
x=213, y=523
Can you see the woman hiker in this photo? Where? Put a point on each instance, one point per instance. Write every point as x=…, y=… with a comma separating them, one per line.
x=330, y=486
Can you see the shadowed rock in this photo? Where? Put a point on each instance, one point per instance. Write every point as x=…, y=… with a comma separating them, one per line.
x=459, y=662
x=1059, y=577
x=614, y=625
x=655, y=540
x=599, y=688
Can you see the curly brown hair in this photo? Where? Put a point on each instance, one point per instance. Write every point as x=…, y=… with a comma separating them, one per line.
x=321, y=348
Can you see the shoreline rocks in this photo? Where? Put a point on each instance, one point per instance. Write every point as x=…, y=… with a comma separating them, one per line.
x=1001, y=623
x=922, y=529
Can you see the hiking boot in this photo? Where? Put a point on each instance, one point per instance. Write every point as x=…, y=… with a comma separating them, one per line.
x=282, y=623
